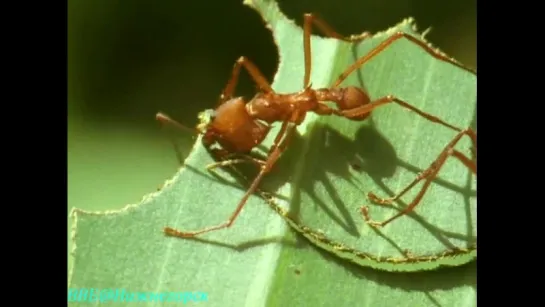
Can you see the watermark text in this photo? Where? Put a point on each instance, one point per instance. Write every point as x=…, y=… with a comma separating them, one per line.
x=122, y=295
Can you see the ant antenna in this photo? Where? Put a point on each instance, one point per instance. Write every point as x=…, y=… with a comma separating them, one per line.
x=164, y=119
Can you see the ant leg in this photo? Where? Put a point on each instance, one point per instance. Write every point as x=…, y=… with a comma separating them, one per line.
x=278, y=137
x=328, y=30
x=429, y=174
x=273, y=157
x=365, y=109
x=426, y=174
x=310, y=19
x=243, y=159
x=226, y=158
x=165, y=120
x=436, y=54
x=254, y=72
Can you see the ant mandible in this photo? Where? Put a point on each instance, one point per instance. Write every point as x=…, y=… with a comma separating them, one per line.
x=238, y=126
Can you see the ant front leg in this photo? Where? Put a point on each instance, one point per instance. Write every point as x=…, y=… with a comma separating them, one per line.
x=429, y=174
x=327, y=30
x=271, y=160
x=227, y=159
x=254, y=72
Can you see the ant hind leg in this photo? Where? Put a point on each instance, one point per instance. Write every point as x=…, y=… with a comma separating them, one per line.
x=311, y=19
x=367, y=108
x=382, y=46
x=429, y=174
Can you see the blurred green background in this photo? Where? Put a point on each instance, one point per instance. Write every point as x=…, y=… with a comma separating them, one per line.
x=127, y=60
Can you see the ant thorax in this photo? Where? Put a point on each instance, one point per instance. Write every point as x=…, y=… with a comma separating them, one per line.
x=260, y=107
x=275, y=107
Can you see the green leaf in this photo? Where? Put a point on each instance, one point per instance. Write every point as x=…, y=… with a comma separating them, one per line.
x=259, y=261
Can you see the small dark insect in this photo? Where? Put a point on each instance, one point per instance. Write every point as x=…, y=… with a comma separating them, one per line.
x=355, y=165
x=238, y=126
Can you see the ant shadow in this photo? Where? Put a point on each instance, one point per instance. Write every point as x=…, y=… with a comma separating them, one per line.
x=368, y=152
x=443, y=280
x=248, y=244
x=424, y=281
x=377, y=177
x=376, y=157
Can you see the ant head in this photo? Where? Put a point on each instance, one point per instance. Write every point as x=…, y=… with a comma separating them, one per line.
x=227, y=115
x=230, y=114
x=232, y=127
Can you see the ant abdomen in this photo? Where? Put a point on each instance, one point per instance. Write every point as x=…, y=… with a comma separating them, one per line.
x=351, y=98
x=347, y=98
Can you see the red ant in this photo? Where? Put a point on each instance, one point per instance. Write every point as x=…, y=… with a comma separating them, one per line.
x=238, y=126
